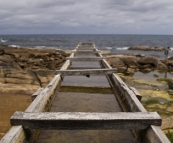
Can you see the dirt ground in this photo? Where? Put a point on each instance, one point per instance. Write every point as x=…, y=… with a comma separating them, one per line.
x=9, y=103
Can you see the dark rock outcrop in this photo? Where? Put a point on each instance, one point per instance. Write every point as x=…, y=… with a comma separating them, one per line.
x=147, y=48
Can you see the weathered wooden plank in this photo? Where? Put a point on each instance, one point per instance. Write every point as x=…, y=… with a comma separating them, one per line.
x=86, y=121
x=154, y=135
x=133, y=103
x=35, y=94
x=84, y=59
x=86, y=72
x=106, y=65
x=138, y=95
x=14, y=135
x=85, y=51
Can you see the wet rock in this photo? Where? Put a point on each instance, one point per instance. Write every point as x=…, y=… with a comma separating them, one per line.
x=162, y=66
x=153, y=62
x=170, y=83
x=116, y=62
x=170, y=92
x=147, y=48
x=130, y=61
x=130, y=71
x=2, y=52
x=156, y=75
x=6, y=58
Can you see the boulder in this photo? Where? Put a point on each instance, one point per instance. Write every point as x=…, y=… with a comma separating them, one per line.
x=115, y=62
x=147, y=48
x=170, y=83
x=2, y=51
x=130, y=71
x=129, y=61
x=162, y=66
x=6, y=58
x=148, y=61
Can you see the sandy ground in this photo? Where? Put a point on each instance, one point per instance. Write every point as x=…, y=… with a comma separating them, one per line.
x=9, y=103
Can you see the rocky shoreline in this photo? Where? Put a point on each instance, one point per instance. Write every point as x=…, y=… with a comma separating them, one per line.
x=24, y=70
x=131, y=64
x=29, y=65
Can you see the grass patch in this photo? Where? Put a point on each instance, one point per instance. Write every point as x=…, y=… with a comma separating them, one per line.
x=170, y=136
x=149, y=102
x=86, y=89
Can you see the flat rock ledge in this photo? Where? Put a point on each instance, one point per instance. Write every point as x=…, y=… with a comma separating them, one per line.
x=147, y=48
x=131, y=64
x=28, y=67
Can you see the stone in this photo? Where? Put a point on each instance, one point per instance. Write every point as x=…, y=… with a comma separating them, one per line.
x=2, y=51
x=148, y=61
x=162, y=66
x=170, y=83
x=6, y=58
x=130, y=71
x=147, y=48
x=156, y=75
x=129, y=61
x=115, y=62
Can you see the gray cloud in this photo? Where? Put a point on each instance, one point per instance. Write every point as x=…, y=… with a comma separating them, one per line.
x=92, y=16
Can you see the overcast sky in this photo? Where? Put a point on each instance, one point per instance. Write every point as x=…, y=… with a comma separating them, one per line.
x=86, y=17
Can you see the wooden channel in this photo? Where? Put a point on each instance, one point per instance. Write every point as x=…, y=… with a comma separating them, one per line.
x=135, y=117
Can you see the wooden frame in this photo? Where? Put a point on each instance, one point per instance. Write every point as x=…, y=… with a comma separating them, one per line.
x=85, y=59
x=152, y=134
x=86, y=72
x=85, y=121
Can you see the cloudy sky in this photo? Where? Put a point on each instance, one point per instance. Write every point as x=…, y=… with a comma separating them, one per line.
x=86, y=17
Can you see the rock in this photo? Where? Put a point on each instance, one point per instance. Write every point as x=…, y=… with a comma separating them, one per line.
x=147, y=48
x=130, y=61
x=162, y=66
x=6, y=58
x=115, y=62
x=146, y=70
x=156, y=75
x=2, y=52
x=122, y=69
x=170, y=92
x=170, y=83
x=148, y=61
x=130, y=71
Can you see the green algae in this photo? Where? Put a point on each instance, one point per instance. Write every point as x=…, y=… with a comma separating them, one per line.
x=81, y=89
x=169, y=134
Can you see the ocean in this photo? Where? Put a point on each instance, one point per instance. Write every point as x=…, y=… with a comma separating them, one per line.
x=115, y=43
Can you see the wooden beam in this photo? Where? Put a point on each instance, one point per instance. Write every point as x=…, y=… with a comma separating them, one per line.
x=14, y=135
x=127, y=94
x=85, y=51
x=85, y=59
x=138, y=95
x=154, y=135
x=35, y=94
x=85, y=121
x=86, y=72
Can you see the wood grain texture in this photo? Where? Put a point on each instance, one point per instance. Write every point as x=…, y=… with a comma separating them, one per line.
x=86, y=121
x=86, y=72
x=85, y=59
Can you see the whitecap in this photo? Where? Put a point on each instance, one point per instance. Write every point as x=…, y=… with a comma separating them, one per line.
x=3, y=41
x=109, y=48
x=40, y=47
x=14, y=46
x=122, y=48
